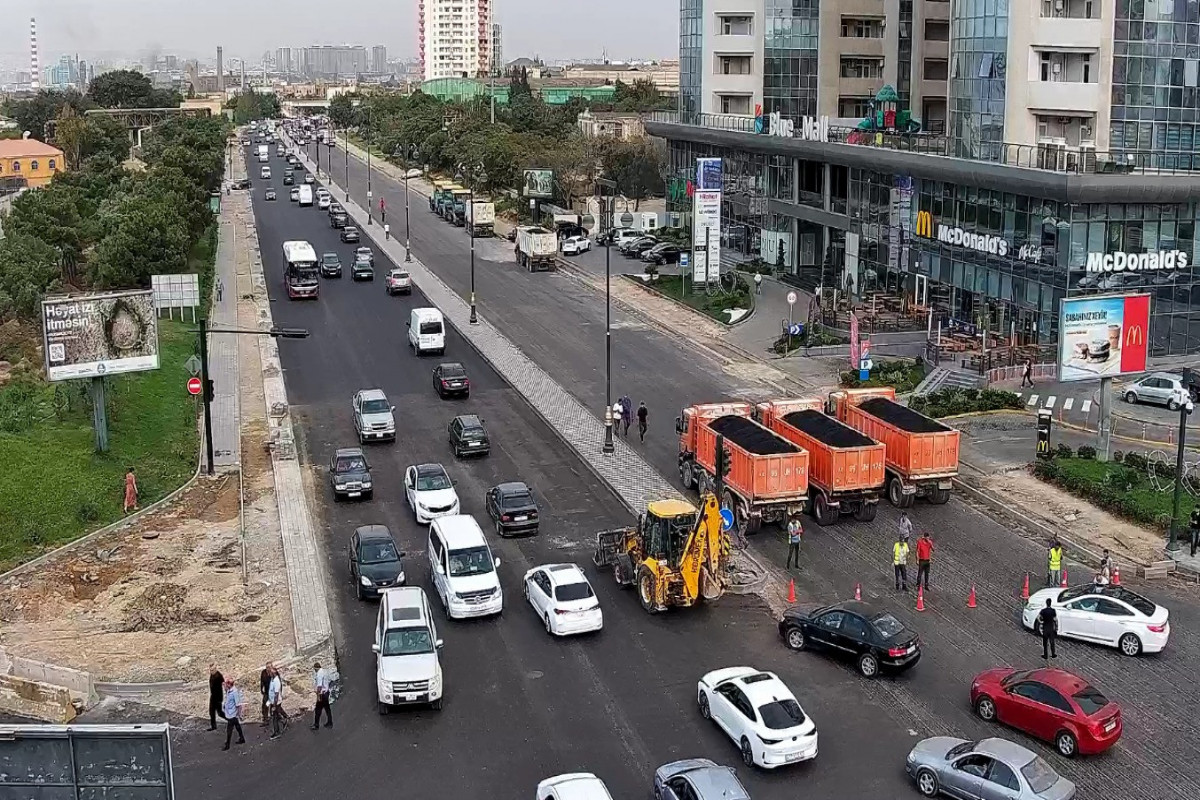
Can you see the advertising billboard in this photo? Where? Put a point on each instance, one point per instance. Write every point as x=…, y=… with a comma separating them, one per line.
x=1102, y=337
x=539, y=183
x=706, y=218
x=100, y=334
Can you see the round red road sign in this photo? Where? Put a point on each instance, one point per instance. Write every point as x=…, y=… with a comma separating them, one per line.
x=194, y=386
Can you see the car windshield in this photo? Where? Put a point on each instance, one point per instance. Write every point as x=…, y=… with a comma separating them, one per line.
x=573, y=591
x=1020, y=675
x=377, y=553
x=887, y=625
x=1040, y=775
x=1090, y=700
x=407, y=642
x=398, y=275
x=471, y=561
x=381, y=406
x=351, y=464
x=433, y=482
x=959, y=749
x=330, y=258
x=349, y=230
x=473, y=430
x=782, y=714
x=517, y=500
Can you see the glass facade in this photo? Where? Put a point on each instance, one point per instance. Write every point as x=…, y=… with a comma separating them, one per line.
x=1156, y=53
x=978, y=63
x=790, y=57
x=691, y=56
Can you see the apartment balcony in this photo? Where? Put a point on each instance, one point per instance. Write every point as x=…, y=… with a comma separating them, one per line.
x=734, y=44
x=859, y=87
x=850, y=46
x=1064, y=96
x=1062, y=33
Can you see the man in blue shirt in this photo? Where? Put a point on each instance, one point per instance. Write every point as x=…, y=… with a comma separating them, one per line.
x=232, y=707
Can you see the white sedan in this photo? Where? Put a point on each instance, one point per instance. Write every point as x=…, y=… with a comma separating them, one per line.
x=758, y=712
x=575, y=245
x=563, y=599
x=430, y=492
x=1109, y=615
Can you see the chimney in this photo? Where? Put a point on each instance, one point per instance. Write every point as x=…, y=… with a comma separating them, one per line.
x=220, y=70
x=35, y=72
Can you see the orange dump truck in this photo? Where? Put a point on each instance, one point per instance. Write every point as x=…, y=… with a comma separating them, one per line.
x=922, y=453
x=845, y=467
x=767, y=478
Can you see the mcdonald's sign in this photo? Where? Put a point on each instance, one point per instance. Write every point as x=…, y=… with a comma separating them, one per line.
x=1102, y=337
x=925, y=224
x=1135, y=336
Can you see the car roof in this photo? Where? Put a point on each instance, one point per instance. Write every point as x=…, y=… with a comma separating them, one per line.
x=576, y=786
x=431, y=469
x=373, y=533
x=348, y=451
x=1066, y=682
x=372, y=394
x=714, y=781
x=460, y=530
x=564, y=573
x=512, y=487
x=762, y=687
x=1010, y=753
x=469, y=420
x=451, y=365
x=404, y=604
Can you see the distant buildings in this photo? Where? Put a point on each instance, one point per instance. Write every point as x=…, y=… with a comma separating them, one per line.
x=455, y=38
x=334, y=61
x=379, y=59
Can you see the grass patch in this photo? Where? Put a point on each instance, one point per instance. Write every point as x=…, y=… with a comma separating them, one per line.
x=1125, y=489
x=903, y=375
x=712, y=305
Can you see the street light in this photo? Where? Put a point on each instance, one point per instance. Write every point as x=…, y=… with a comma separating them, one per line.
x=407, y=166
x=1185, y=409
x=474, y=318
x=369, y=211
x=346, y=149
x=602, y=183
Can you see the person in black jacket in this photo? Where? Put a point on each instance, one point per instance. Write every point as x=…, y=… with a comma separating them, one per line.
x=216, y=696
x=264, y=687
x=1048, y=620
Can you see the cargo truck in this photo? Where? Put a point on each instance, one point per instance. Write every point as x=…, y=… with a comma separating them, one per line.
x=481, y=217
x=456, y=209
x=767, y=479
x=264, y=153
x=536, y=248
x=845, y=467
x=443, y=195
x=921, y=453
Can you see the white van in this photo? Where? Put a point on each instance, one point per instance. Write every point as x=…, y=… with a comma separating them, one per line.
x=427, y=331
x=306, y=195
x=407, y=669
x=463, y=568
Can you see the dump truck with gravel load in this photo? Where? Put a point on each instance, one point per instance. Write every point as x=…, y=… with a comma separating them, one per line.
x=921, y=453
x=767, y=477
x=846, y=468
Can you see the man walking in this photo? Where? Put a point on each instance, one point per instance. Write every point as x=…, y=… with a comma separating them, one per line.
x=643, y=415
x=924, y=556
x=232, y=712
x=274, y=702
x=1054, y=564
x=758, y=283
x=626, y=412
x=900, y=561
x=905, y=526
x=216, y=686
x=616, y=415
x=1048, y=622
x=321, y=685
x=794, y=532
x=264, y=689
x=1027, y=374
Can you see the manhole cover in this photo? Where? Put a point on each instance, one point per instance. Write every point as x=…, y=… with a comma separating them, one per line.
x=534, y=674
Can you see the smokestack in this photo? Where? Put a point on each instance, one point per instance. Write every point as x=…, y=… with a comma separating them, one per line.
x=35, y=72
x=243, y=87
x=220, y=70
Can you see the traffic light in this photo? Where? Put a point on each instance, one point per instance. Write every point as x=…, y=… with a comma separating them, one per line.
x=210, y=392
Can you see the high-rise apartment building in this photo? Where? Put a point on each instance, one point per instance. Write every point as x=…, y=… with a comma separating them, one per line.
x=333, y=61
x=379, y=59
x=454, y=37
x=497, y=65
x=285, y=59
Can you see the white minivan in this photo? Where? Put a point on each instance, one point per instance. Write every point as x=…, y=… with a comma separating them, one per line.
x=463, y=568
x=427, y=331
x=407, y=669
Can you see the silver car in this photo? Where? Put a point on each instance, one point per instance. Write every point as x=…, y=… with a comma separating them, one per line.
x=373, y=418
x=697, y=779
x=990, y=769
x=1161, y=388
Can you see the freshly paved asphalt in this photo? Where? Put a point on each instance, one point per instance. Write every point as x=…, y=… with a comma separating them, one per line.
x=519, y=706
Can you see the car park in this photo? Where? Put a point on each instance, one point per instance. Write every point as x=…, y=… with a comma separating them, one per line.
x=563, y=599
x=331, y=265
x=463, y=568
x=269, y=194
x=294, y=194
x=468, y=436
x=1103, y=614
x=350, y=474
x=399, y=282
x=408, y=670
x=1160, y=388
x=450, y=380
x=874, y=639
x=362, y=269
x=513, y=509
x=1049, y=704
x=373, y=561
x=990, y=768
x=575, y=245
x=373, y=420
x=349, y=234
x=760, y=714
x=697, y=779
x=429, y=492
x=573, y=786
x=288, y=180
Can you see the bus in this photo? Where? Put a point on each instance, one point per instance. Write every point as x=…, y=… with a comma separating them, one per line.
x=300, y=275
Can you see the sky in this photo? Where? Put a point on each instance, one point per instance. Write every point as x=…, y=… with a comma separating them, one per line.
x=552, y=29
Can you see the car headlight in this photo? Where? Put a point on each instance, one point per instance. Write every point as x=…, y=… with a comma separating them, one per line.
x=366, y=483
x=436, y=683
x=364, y=580
x=339, y=486
x=400, y=577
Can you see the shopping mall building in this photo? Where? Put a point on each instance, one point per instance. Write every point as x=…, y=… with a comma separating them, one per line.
x=1024, y=155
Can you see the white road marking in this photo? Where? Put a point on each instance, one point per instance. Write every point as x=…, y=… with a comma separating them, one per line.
x=1033, y=398
x=1068, y=404
x=1050, y=401
x=1086, y=407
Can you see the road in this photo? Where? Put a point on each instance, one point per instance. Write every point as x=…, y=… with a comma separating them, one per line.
x=519, y=705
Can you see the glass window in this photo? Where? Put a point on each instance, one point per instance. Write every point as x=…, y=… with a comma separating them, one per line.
x=33, y=166
x=16, y=166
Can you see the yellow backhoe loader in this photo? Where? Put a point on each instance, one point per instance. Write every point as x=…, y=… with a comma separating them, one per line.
x=676, y=555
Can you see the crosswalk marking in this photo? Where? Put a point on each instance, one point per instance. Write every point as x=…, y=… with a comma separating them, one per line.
x=1033, y=398
x=1086, y=407
x=1050, y=401
x=1068, y=404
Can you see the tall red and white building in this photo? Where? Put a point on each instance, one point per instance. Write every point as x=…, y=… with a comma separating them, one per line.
x=454, y=38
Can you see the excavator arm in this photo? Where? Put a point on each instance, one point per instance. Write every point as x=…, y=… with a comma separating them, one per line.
x=702, y=566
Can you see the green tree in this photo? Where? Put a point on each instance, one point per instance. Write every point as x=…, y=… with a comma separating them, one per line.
x=28, y=269
x=342, y=111
x=145, y=238
x=122, y=88
x=52, y=215
x=638, y=166
x=641, y=95
x=518, y=84
x=83, y=137
x=33, y=113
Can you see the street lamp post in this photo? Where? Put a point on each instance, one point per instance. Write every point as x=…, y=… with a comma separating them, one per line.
x=369, y=211
x=1185, y=409
x=407, y=240
x=474, y=318
x=608, y=418
x=346, y=150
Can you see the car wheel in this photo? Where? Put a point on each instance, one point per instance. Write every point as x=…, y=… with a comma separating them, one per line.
x=436, y=705
x=1172, y=405
x=705, y=709
x=384, y=709
x=927, y=782
x=794, y=639
x=1130, y=397
x=747, y=752
x=549, y=627
x=985, y=707
x=1130, y=644
x=868, y=665
x=1066, y=745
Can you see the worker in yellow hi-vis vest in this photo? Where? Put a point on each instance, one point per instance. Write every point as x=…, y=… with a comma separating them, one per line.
x=900, y=561
x=1054, y=564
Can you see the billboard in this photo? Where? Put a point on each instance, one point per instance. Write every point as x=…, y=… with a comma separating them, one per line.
x=100, y=334
x=706, y=218
x=1101, y=337
x=539, y=183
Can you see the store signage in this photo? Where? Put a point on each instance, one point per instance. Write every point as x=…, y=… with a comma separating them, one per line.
x=959, y=237
x=1119, y=262
x=1103, y=336
x=810, y=129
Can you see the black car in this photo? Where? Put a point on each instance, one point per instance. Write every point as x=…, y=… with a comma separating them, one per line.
x=874, y=639
x=635, y=248
x=336, y=208
x=450, y=379
x=662, y=254
x=468, y=437
x=362, y=270
x=513, y=508
x=339, y=221
x=288, y=180
x=349, y=234
x=331, y=265
x=240, y=183
x=374, y=562
x=350, y=474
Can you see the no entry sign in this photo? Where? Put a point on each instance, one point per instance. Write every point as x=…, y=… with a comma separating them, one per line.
x=193, y=386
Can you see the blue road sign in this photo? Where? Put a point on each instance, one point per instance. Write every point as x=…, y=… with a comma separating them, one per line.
x=726, y=519
x=684, y=258
x=796, y=329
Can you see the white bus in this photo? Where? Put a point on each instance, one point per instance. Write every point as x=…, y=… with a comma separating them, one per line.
x=300, y=276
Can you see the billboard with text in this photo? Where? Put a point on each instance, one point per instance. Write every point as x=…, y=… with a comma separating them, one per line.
x=100, y=334
x=539, y=183
x=1102, y=337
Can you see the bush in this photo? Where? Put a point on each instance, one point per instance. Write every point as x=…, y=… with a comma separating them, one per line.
x=1136, y=461
x=1118, y=488
x=815, y=335
x=903, y=375
x=1086, y=451
x=1118, y=456
x=87, y=511
x=951, y=402
x=1063, y=451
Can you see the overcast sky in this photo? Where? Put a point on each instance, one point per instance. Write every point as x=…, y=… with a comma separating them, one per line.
x=553, y=29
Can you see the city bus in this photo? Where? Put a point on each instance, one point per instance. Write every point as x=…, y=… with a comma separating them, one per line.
x=300, y=275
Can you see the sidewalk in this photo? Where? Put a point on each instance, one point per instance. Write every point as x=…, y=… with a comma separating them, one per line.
x=223, y=349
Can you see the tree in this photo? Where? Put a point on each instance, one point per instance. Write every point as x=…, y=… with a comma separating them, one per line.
x=342, y=111
x=637, y=166
x=250, y=106
x=518, y=85
x=33, y=113
x=641, y=95
x=145, y=238
x=83, y=137
x=28, y=269
x=122, y=88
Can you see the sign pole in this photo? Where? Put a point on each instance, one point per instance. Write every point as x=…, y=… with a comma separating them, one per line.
x=207, y=393
x=1105, y=428
x=99, y=414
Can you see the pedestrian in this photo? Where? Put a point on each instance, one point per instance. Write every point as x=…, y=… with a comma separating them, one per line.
x=216, y=685
x=900, y=561
x=1048, y=622
x=924, y=556
x=321, y=686
x=232, y=712
x=1027, y=373
x=1104, y=576
x=1054, y=564
x=131, y=491
x=905, y=526
x=626, y=413
x=264, y=689
x=1195, y=539
x=758, y=283
x=220, y=289
x=794, y=532
x=643, y=414
x=616, y=416
x=275, y=701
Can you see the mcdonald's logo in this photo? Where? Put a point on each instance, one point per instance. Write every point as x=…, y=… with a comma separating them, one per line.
x=925, y=224
x=1135, y=336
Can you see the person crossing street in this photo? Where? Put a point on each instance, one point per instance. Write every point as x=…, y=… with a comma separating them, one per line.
x=321, y=686
x=794, y=532
x=900, y=561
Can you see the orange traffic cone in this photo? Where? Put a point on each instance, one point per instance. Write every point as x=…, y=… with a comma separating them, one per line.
x=1025, y=588
x=971, y=599
x=920, y=598
x=858, y=591
x=792, y=591
x=1116, y=579
x=1064, y=579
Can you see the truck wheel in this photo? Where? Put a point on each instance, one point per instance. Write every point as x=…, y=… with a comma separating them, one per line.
x=896, y=495
x=686, y=476
x=823, y=513
x=751, y=524
x=646, y=590
x=939, y=497
x=866, y=512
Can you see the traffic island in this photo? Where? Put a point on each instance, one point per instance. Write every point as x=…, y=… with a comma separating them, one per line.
x=725, y=308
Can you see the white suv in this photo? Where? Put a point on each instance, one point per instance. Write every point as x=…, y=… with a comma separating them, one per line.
x=407, y=669
x=463, y=568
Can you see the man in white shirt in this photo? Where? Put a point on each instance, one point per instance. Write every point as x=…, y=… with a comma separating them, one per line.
x=275, y=702
x=321, y=686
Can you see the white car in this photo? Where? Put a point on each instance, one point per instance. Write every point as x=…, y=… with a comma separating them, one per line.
x=563, y=599
x=760, y=714
x=575, y=245
x=265, y=173
x=572, y=786
x=323, y=201
x=1109, y=615
x=430, y=492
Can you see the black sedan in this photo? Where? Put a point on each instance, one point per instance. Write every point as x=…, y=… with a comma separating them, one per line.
x=512, y=507
x=664, y=253
x=362, y=270
x=874, y=639
x=450, y=380
x=349, y=234
x=288, y=180
x=635, y=248
x=374, y=562
x=331, y=265
x=468, y=437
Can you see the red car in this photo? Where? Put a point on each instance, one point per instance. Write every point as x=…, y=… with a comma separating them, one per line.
x=1051, y=704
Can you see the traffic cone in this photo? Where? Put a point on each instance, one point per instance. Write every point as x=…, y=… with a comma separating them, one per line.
x=1116, y=579
x=1064, y=579
x=971, y=599
x=792, y=591
x=920, y=598
x=1025, y=588
x=858, y=591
